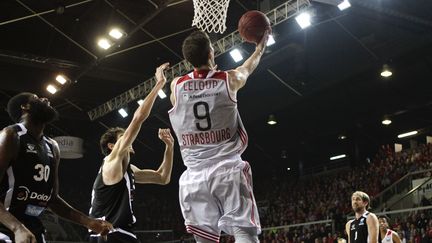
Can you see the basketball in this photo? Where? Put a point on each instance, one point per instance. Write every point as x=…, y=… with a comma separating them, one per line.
x=252, y=26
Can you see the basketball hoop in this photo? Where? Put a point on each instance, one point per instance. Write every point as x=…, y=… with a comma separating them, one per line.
x=210, y=15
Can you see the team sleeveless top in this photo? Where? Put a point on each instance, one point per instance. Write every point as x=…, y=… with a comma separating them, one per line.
x=388, y=238
x=359, y=230
x=114, y=202
x=205, y=118
x=28, y=182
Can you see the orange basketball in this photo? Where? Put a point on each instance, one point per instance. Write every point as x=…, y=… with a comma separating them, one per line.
x=252, y=26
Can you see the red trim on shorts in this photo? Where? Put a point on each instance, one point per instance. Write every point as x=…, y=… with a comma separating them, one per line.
x=243, y=137
x=245, y=171
x=201, y=233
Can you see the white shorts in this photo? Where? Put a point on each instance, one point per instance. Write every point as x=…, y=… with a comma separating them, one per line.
x=218, y=198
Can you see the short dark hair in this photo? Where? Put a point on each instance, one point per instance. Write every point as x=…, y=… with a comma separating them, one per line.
x=196, y=48
x=110, y=136
x=14, y=105
x=383, y=216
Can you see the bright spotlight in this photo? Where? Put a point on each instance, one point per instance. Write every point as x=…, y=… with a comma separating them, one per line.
x=407, y=134
x=123, y=112
x=270, y=40
x=386, y=122
x=52, y=89
x=341, y=156
x=162, y=94
x=386, y=72
x=303, y=20
x=116, y=33
x=61, y=79
x=344, y=5
x=236, y=55
x=104, y=43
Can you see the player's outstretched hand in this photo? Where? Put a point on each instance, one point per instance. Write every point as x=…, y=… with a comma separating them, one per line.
x=166, y=137
x=101, y=227
x=160, y=76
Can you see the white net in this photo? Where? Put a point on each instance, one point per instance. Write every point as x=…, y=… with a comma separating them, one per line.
x=210, y=15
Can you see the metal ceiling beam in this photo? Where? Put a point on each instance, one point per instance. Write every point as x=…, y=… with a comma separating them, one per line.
x=277, y=15
x=142, y=29
x=42, y=13
x=56, y=29
x=30, y=60
x=138, y=26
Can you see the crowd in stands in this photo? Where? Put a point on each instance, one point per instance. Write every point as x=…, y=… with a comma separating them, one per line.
x=313, y=198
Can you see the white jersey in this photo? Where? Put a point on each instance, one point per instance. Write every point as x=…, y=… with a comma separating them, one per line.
x=205, y=118
x=388, y=238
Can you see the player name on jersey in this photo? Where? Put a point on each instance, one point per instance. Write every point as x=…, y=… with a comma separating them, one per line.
x=209, y=137
x=200, y=85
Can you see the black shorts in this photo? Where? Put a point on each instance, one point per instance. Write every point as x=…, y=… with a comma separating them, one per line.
x=115, y=237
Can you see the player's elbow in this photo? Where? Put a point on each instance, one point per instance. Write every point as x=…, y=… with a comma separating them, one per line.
x=140, y=117
x=165, y=180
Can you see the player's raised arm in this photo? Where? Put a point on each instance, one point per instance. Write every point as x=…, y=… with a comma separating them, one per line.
x=140, y=114
x=161, y=176
x=239, y=75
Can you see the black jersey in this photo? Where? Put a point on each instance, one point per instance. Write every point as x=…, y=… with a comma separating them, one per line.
x=113, y=203
x=359, y=229
x=28, y=182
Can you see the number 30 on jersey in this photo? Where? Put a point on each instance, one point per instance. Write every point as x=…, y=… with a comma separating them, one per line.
x=42, y=172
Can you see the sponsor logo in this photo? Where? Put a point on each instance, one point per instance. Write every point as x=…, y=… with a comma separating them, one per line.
x=362, y=221
x=24, y=193
x=40, y=197
x=33, y=210
x=31, y=148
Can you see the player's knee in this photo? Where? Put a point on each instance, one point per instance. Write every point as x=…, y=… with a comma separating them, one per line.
x=245, y=235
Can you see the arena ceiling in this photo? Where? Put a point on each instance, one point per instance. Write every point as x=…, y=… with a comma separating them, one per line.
x=319, y=83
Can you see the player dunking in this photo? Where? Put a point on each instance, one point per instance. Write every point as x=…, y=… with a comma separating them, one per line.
x=216, y=189
x=114, y=185
x=364, y=227
x=386, y=235
x=29, y=174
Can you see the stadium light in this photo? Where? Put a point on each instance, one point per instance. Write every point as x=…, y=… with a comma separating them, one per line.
x=104, y=43
x=51, y=88
x=162, y=94
x=386, y=122
x=386, y=72
x=272, y=120
x=236, y=55
x=123, y=112
x=407, y=134
x=303, y=20
x=341, y=156
x=344, y=5
x=270, y=40
x=116, y=33
x=61, y=79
